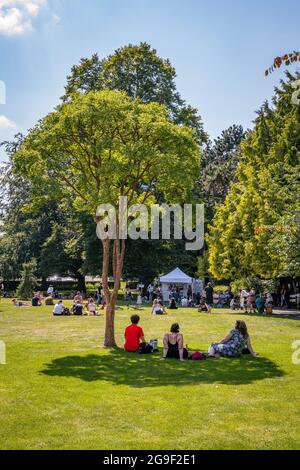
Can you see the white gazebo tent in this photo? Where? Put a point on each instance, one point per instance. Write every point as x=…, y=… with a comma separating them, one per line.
x=177, y=278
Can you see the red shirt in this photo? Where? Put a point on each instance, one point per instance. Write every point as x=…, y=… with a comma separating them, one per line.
x=133, y=333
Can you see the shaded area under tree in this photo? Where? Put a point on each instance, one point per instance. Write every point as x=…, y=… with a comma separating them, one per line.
x=138, y=371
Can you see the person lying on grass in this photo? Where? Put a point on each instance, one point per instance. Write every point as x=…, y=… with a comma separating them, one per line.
x=234, y=344
x=173, y=344
x=134, y=335
x=19, y=304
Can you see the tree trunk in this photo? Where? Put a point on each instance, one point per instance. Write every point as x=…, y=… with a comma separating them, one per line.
x=80, y=282
x=111, y=297
x=109, y=341
x=44, y=283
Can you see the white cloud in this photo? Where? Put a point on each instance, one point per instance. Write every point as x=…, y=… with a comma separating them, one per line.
x=6, y=123
x=16, y=15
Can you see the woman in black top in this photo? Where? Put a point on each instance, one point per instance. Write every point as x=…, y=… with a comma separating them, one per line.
x=173, y=344
x=173, y=305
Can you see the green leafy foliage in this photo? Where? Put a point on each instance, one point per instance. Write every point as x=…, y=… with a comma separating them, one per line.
x=256, y=229
x=218, y=164
x=104, y=145
x=140, y=73
x=28, y=282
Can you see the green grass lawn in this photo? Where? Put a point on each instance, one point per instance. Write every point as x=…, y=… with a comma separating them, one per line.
x=61, y=390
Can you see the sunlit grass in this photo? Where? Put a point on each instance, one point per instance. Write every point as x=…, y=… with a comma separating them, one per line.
x=61, y=390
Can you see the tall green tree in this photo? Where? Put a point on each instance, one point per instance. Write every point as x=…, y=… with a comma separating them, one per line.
x=49, y=232
x=256, y=230
x=141, y=73
x=219, y=161
x=103, y=145
x=218, y=164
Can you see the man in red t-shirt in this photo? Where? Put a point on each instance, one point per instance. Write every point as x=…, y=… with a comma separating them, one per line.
x=134, y=335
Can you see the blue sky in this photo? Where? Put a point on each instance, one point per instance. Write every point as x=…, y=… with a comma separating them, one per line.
x=220, y=49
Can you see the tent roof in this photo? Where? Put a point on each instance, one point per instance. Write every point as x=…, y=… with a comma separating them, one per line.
x=176, y=276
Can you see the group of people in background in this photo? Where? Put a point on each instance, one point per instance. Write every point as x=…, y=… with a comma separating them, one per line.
x=234, y=344
x=252, y=302
x=80, y=307
x=207, y=300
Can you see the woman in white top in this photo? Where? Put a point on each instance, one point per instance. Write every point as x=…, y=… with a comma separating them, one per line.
x=158, y=308
x=91, y=307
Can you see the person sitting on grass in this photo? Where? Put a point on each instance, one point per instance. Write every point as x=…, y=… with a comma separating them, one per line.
x=234, y=343
x=78, y=298
x=158, y=308
x=173, y=344
x=184, y=302
x=49, y=300
x=134, y=335
x=59, y=309
x=172, y=305
x=235, y=304
x=202, y=307
x=40, y=296
x=77, y=309
x=36, y=300
x=91, y=308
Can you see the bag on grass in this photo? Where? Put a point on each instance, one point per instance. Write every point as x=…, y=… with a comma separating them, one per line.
x=198, y=356
x=154, y=344
x=145, y=348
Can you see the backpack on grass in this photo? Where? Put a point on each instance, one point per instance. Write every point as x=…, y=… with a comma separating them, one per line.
x=145, y=348
x=198, y=356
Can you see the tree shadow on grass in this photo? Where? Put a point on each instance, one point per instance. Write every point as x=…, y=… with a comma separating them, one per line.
x=139, y=371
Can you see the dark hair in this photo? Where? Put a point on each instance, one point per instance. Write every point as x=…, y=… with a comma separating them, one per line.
x=175, y=328
x=242, y=327
x=135, y=319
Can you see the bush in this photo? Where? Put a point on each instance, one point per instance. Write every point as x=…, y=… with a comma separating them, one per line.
x=28, y=282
